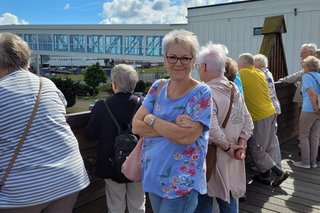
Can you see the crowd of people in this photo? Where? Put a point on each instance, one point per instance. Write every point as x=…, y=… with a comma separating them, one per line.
x=233, y=106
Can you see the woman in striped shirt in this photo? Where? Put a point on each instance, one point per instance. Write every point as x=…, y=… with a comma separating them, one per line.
x=48, y=172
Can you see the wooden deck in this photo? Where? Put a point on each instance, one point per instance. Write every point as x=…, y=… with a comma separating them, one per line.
x=299, y=193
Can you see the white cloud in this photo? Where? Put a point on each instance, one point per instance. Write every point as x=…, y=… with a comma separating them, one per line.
x=150, y=11
x=8, y=18
x=66, y=7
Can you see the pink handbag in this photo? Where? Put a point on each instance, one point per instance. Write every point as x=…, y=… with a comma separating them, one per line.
x=132, y=167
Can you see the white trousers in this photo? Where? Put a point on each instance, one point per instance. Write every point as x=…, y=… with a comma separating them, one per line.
x=120, y=195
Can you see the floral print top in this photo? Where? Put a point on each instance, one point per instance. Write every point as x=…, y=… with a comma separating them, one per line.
x=172, y=170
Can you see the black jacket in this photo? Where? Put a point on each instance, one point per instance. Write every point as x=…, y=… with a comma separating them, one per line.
x=102, y=127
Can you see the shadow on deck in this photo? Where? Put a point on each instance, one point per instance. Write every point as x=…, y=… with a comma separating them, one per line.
x=299, y=193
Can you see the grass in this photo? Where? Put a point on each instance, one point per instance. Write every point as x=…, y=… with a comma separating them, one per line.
x=152, y=69
x=74, y=77
x=82, y=103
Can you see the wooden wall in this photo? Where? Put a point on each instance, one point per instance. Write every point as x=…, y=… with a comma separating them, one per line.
x=289, y=118
x=92, y=199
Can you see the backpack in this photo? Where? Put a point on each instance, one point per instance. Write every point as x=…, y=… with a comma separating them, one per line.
x=124, y=143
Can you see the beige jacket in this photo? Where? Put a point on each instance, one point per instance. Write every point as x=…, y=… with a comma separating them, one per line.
x=229, y=175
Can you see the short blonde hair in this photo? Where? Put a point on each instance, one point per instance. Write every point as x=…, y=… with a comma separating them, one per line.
x=182, y=37
x=312, y=63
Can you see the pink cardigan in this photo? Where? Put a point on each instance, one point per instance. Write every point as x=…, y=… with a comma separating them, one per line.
x=229, y=175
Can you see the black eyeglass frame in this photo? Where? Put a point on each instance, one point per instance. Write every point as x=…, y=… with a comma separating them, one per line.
x=183, y=60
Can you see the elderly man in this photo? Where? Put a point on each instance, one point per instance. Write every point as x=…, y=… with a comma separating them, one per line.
x=258, y=101
x=306, y=50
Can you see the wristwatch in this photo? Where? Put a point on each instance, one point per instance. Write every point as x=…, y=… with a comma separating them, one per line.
x=152, y=120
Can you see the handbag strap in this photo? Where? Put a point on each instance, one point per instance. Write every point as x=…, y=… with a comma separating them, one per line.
x=224, y=124
x=24, y=135
x=314, y=79
x=114, y=119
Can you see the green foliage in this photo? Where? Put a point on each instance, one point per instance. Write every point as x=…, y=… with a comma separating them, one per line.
x=69, y=89
x=106, y=88
x=93, y=76
x=165, y=76
x=82, y=90
x=140, y=86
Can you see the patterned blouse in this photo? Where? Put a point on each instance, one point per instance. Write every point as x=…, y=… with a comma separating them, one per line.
x=172, y=170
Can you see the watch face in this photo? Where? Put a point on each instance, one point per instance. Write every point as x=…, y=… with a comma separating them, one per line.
x=151, y=121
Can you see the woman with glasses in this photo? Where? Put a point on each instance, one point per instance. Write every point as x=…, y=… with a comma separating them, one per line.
x=174, y=120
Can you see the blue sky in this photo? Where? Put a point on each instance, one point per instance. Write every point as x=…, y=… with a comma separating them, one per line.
x=97, y=11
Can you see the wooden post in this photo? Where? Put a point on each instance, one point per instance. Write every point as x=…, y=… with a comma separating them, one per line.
x=272, y=45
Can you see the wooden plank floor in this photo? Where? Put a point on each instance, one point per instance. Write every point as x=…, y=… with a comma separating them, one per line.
x=299, y=193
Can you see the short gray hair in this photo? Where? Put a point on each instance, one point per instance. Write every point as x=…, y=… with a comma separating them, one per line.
x=125, y=77
x=182, y=37
x=246, y=59
x=311, y=47
x=260, y=61
x=214, y=56
x=14, y=53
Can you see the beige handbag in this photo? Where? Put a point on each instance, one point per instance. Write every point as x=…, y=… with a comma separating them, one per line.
x=211, y=157
x=132, y=167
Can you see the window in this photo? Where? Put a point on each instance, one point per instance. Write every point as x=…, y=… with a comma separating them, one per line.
x=45, y=42
x=95, y=44
x=32, y=41
x=60, y=42
x=154, y=45
x=114, y=44
x=257, y=31
x=133, y=45
x=77, y=43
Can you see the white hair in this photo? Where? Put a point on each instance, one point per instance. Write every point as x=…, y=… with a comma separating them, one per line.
x=260, y=61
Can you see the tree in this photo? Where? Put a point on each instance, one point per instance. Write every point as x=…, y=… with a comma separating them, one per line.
x=93, y=76
x=140, y=86
x=68, y=87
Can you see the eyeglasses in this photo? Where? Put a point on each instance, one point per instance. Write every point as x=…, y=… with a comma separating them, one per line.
x=183, y=60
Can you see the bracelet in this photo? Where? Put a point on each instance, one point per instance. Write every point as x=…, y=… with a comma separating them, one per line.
x=152, y=120
x=227, y=150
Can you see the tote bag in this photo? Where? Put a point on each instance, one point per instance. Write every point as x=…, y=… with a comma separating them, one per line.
x=132, y=167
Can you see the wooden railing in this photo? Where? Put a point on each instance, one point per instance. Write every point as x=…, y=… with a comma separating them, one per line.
x=92, y=199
